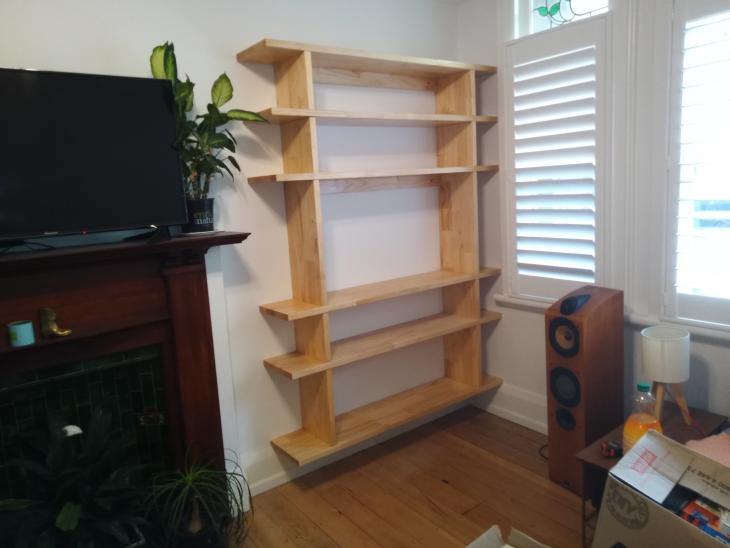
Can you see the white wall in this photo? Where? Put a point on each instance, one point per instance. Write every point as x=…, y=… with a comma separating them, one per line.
x=368, y=237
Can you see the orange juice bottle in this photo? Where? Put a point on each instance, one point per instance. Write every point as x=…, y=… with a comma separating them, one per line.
x=642, y=418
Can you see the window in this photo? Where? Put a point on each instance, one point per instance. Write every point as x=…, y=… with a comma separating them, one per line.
x=533, y=16
x=556, y=103
x=700, y=261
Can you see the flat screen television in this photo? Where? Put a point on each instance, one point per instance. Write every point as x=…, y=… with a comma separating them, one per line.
x=82, y=153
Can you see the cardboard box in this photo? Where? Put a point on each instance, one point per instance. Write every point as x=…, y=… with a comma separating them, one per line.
x=516, y=539
x=631, y=510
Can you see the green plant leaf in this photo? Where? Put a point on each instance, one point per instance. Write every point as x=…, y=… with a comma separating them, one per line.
x=157, y=62
x=542, y=10
x=234, y=163
x=170, y=62
x=555, y=8
x=10, y=505
x=68, y=518
x=244, y=115
x=222, y=90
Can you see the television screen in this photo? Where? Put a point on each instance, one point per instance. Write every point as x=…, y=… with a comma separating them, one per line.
x=82, y=153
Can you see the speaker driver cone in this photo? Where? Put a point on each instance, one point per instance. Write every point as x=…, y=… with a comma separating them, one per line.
x=565, y=387
x=564, y=337
x=565, y=419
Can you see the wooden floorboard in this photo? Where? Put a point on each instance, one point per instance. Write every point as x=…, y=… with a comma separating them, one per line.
x=440, y=485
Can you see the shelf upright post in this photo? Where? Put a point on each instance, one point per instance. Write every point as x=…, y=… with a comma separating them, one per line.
x=456, y=94
x=295, y=89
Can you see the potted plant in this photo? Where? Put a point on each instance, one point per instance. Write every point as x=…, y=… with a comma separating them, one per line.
x=201, y=140
x=71, y=493
x=202, y=505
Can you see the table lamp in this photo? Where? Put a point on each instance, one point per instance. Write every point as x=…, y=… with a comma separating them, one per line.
x=665, y=357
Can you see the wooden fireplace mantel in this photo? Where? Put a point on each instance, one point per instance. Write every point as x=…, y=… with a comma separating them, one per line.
x=122, y=296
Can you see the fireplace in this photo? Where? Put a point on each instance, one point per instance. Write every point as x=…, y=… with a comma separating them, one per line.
x=140, y=342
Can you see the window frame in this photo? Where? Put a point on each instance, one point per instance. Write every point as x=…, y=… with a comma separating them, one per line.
x=697, y=310
x=593, y=31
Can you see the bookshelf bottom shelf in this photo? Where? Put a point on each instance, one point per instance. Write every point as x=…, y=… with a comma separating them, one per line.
x=379, y=417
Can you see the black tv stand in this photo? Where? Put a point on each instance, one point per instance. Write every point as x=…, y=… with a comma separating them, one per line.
x=6, y=246
x=157, y=234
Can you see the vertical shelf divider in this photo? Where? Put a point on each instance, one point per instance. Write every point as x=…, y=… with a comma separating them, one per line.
x=458, y=226
x=295, y=88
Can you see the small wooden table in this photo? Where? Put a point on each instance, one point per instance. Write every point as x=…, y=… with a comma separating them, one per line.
x=595, y=464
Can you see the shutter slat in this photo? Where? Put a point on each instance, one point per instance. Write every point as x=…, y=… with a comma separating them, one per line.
x=556, y=81
x=570, y=124
x=567, y=109
x=555, y=173
x=573, y=92
x=556, y=142
x=551, y=202
x=555, y=64
x=566, y=156
x=554, y=188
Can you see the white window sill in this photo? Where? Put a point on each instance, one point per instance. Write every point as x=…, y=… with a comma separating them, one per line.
x=702, y=330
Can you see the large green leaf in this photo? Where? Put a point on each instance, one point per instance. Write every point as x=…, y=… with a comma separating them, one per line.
x=170, y=62
x=9, y=505
x=184, y=94
x=555, y=8
x=222, y=90
x=157, y=61
x=245, y=115
x=68, y=518
x=542, y=10
x=219, y=140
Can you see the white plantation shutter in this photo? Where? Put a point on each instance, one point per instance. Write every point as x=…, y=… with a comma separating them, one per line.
x=699, y=274
x=555, y=130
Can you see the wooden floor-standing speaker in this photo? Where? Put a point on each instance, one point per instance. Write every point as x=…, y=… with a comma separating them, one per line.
x=585, y=368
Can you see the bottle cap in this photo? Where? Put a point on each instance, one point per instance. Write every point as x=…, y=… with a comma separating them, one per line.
x=643, y=387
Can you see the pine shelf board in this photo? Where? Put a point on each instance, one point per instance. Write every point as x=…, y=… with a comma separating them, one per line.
x=295, y=365
x=323, y=57
x=282, y=115
x=379, y=417
x=374, y=292
x=332, y=176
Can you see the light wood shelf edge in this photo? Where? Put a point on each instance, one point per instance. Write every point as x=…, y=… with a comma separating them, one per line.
x=296, y=365
x=290, y=309
x=271, y=50
x=282, y=115
x=382, y=416
x=324, y=176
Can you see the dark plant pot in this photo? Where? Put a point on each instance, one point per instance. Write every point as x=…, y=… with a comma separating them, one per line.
x=207, y=538
x=200, y=215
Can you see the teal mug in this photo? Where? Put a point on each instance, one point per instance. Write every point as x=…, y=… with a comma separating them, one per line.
x=21, y=333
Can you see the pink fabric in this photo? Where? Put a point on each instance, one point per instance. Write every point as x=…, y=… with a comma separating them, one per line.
x=715, y=447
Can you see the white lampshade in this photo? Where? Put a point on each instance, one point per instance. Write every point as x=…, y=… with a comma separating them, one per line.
x=665, y=353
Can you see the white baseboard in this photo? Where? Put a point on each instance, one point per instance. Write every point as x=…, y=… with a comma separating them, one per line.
x=521, y=406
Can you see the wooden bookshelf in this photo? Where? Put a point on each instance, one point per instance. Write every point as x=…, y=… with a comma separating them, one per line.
x=298, y=67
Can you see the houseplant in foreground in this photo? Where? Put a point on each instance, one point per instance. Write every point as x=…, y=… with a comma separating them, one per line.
x=203, y=142
x=201, y=505
x=72, y=492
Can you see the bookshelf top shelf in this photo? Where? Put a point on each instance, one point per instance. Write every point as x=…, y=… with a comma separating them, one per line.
x=323, y=57
x=283, y=115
